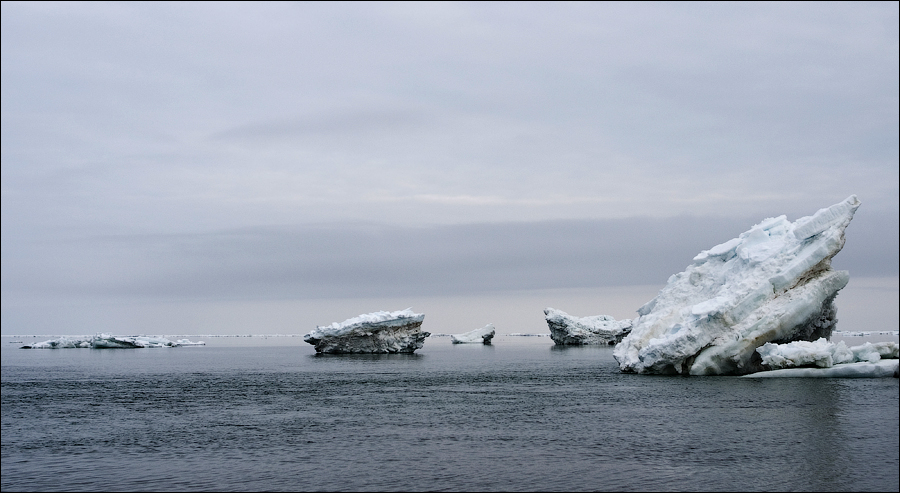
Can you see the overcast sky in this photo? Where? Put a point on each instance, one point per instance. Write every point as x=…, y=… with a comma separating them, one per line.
x=285, y=156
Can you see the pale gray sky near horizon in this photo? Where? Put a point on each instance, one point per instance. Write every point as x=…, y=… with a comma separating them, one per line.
x=264, y=154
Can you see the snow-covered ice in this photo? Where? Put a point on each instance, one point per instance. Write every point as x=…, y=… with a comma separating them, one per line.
x=598, y=329
x=774, y=283
x=823, y=353
x=108, y=341
x=377, y=332
x=477, y=336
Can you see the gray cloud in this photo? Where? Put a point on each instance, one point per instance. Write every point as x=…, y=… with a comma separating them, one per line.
x=343, y=123
x=371, y=261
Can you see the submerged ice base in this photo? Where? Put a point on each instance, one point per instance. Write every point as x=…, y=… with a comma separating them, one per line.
x=377, y=332
x=774, y=283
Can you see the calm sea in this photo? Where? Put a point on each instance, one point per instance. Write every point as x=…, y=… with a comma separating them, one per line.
x=267, y=414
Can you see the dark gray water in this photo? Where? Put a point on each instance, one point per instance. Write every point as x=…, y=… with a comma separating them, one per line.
x=519, y=415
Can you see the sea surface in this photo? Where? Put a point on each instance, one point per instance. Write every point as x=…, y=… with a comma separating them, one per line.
x=267, y=414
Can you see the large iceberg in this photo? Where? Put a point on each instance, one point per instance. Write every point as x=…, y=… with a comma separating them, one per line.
x=482, y=336
x=772, y=284
x=377, y=332
x=107, y=341
x=566, y=330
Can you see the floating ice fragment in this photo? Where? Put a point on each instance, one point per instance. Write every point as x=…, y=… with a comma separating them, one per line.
x=599, y=329
x=377, y=332
x=477, y=336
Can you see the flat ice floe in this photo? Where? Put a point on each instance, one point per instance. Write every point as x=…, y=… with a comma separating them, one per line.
x=881, y=369
x=823, y=358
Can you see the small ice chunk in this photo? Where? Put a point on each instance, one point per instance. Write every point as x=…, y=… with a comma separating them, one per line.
x=477, y=336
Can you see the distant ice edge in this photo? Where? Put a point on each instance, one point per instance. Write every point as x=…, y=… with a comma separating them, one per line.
x=108, y=341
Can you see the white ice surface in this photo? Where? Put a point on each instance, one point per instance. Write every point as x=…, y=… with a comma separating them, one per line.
x=367, y=320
